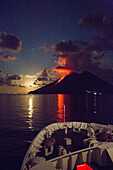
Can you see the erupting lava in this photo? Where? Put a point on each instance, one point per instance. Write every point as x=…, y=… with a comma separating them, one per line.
x=60, y=79
x=64, y=72
x=63, y=68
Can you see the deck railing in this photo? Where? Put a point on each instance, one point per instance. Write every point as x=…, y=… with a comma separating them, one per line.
x=69, y=161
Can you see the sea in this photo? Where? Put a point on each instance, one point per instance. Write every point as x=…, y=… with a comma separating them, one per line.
x=23, y=116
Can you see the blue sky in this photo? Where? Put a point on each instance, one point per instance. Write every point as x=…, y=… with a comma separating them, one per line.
x=43, y=22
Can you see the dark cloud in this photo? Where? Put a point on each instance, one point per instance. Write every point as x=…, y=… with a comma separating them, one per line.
x=66, y=46
x=62, y=68
x=15, y=84
x=44, y=73
x=75, y=55
x=44, y=84
x=34, y=83
x=7, y=57
x=70, y=46
x=98, y=21
x=12, y=84
x=20, y=85
x=12, y=77
x=44, y=77
x=5, y=79
x=10, y=42
x=101, y=44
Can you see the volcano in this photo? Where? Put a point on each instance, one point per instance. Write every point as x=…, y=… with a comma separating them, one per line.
x=76, y=83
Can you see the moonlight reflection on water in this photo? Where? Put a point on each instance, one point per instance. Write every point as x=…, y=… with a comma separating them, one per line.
x=30, y=113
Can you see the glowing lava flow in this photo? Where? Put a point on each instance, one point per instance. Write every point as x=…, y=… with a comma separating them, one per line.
x=60, y=79
x=64, y=73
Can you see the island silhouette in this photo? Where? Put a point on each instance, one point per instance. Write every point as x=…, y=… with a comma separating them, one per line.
x=76, y=83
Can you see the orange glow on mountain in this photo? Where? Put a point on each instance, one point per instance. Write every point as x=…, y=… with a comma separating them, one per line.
x=63, y=68
x=64, y=72
x=60, y=79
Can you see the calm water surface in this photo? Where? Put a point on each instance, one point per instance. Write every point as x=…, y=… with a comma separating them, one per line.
x=22, y=116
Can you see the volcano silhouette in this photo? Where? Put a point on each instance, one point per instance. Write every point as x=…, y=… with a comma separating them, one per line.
x=76, y=83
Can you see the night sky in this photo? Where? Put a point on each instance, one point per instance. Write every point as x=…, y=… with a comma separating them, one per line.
x=59, y=35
